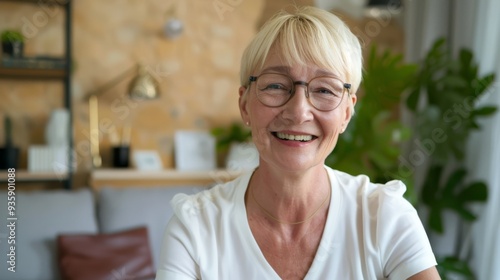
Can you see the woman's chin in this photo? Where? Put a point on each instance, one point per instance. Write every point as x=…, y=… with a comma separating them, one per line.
x=295, y=164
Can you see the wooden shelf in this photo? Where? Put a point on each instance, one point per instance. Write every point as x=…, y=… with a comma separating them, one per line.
x=130, y=177
x=27, y=176
x=40, y=2
x=24, y=73
x=45, y=68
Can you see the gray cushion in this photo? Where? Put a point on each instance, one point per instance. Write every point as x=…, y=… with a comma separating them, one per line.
x=121, y=209
x=41, y=216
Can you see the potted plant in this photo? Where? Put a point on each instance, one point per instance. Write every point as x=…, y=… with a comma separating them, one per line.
x=8, y=153
x=12, y=43
x=235, y=144
x=451, y=87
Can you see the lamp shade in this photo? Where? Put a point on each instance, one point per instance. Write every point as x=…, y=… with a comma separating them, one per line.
x=173, y=28
x=144, y=86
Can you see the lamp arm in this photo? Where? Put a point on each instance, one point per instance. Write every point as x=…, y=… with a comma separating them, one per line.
x=114, y=81
x=94, y=131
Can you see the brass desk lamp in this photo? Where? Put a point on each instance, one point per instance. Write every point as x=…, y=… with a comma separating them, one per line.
x=143, y=87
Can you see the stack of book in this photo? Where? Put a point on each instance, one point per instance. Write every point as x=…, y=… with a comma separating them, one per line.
x=43, y=158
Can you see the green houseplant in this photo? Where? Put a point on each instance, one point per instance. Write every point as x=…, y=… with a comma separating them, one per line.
x=12, y=43
x=451, y=88
x=8, y=153
x=234, y=133
x=234, y=145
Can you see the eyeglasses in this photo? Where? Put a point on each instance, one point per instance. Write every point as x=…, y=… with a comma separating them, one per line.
x=324, y=93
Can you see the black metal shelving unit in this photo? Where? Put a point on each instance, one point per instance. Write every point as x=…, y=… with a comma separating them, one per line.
x=63, y=75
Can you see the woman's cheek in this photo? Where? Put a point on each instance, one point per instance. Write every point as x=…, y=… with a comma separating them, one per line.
x=260, y=137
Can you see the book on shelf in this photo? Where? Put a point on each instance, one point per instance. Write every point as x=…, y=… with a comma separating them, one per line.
x=37, y=62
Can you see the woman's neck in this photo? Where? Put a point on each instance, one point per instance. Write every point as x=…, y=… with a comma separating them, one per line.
x=289, y=197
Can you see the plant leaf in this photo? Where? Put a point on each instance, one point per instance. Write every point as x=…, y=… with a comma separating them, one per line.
x=480, y=85
x=431, y=185
x=475, y=192
x=454, y=181
x=435, y=218
x=464, y=212
x=453, y=265
x=485, y=111
x=412, y=100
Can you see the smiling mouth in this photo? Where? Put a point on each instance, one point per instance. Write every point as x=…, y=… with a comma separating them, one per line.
x=291, y=137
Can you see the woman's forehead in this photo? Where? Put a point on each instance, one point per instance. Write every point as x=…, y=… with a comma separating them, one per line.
x=276, y=62
x=281, y=59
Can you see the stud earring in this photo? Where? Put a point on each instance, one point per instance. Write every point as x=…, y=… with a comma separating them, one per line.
x=247, y=123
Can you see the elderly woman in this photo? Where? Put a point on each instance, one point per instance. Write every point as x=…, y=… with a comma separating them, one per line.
x=293, y=217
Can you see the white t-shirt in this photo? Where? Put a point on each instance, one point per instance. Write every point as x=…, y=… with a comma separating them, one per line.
x=371, y=232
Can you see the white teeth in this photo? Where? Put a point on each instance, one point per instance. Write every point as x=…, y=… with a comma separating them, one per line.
x=285, y=136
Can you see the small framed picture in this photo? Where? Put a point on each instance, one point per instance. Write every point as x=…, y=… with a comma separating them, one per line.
x=194, y=151
x=147, y=160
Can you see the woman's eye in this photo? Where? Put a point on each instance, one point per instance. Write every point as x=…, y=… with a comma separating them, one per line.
x=275, y=86
x=324, y=91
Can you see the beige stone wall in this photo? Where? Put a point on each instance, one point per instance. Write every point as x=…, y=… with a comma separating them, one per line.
x=272, y=6
x=385, y=30
x=198, y=72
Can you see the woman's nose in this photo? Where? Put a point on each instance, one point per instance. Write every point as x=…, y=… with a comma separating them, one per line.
x=298, y=108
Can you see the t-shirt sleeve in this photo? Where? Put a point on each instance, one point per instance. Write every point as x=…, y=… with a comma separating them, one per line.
x=177, y=260
x=404, y=246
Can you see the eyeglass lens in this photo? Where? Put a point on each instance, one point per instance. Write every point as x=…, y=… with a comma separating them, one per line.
x=324, y=93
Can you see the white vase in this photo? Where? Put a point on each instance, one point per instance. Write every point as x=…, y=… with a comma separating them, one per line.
x=242, y=156
x=57, y=130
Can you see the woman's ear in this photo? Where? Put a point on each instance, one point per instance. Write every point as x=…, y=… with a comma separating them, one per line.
x=349, y=111
x=243, y=104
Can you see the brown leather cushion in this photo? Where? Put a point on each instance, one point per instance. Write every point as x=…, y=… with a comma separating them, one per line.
x=122, y=255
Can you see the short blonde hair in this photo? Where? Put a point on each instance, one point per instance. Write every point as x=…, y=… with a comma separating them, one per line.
x=308, y=35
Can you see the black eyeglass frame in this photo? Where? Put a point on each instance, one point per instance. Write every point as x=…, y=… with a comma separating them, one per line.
x=347, y=86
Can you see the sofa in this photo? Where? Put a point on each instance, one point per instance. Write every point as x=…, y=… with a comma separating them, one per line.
x=44, y=217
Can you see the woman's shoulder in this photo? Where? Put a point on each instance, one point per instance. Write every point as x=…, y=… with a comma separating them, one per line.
x=362, y=182
x=389, y=226
x=216, y=197
x=360, y=189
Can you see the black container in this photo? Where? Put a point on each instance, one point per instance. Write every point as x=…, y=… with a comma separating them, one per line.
x=14, y=49
x=9, y=157
x=121, y=156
